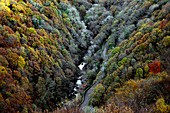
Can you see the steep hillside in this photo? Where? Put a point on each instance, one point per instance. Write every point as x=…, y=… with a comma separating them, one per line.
x=40, y=49
x=125, y=45
x=128, y=60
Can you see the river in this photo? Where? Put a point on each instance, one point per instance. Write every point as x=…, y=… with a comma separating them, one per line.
x=79, y=80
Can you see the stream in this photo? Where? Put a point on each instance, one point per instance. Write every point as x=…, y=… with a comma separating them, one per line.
x=77, y=87
x=79, y=80
x=91, y=41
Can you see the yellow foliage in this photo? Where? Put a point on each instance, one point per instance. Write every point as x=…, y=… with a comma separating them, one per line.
x=161, y=106
x=5, y=2
x=132, y=83
x=162, y=74
x=21, y=62
x=32, y=30
x=138, y=35
x=3, y=70
x=4, y=6
x=19, y=7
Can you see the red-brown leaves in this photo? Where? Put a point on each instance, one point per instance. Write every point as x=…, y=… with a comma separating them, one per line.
x=7, y=28
x=155, y=67
x=163, y=23
x=3, y=51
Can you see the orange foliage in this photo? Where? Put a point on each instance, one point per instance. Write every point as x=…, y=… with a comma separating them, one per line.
x=155, y=67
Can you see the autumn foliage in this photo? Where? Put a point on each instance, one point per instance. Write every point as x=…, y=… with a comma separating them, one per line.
x=155, y=67
x=33, y=68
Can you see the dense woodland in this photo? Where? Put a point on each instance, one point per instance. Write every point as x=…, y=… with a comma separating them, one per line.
x=124, y=43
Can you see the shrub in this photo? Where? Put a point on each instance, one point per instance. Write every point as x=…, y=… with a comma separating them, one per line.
x=65, y=52
x=7, y=28
x=139, y=73
x=3, y=70
x=161, y=106
x=11, y=41
x=155, y=67
x=166, y=41
x=31, y=31
x=3, y=61
x=4, y=6
x=5, y=2
x=96, y=96
x=122, y=62
x=115, y=50
x=21, y=62
x=13, y=59
x=146, y=69
x=91, y=75
x=108, y=80
x=16, y=74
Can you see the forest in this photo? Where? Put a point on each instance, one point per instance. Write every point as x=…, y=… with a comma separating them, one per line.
x=123, y=45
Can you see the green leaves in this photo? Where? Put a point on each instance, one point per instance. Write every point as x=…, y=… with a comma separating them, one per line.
x=97, y=95
x=139, y=73
x=122, y=62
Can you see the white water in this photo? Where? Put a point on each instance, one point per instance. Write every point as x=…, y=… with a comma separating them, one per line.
x=79, y=81
x=81, y=66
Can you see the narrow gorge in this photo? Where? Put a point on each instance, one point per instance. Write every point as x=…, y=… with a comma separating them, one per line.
x=84, y=56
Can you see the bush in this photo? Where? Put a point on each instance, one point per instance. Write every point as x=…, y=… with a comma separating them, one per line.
x=3, y=61
x=115, y=50
x=21, y=62
x=139, y=73
x=155, y=67
x=122, y=62
x=91, y=75
x=3, y=70
x=96, y=98
x=31, y=31
x=166, y=41
x=161, y=106
x=13, y=60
